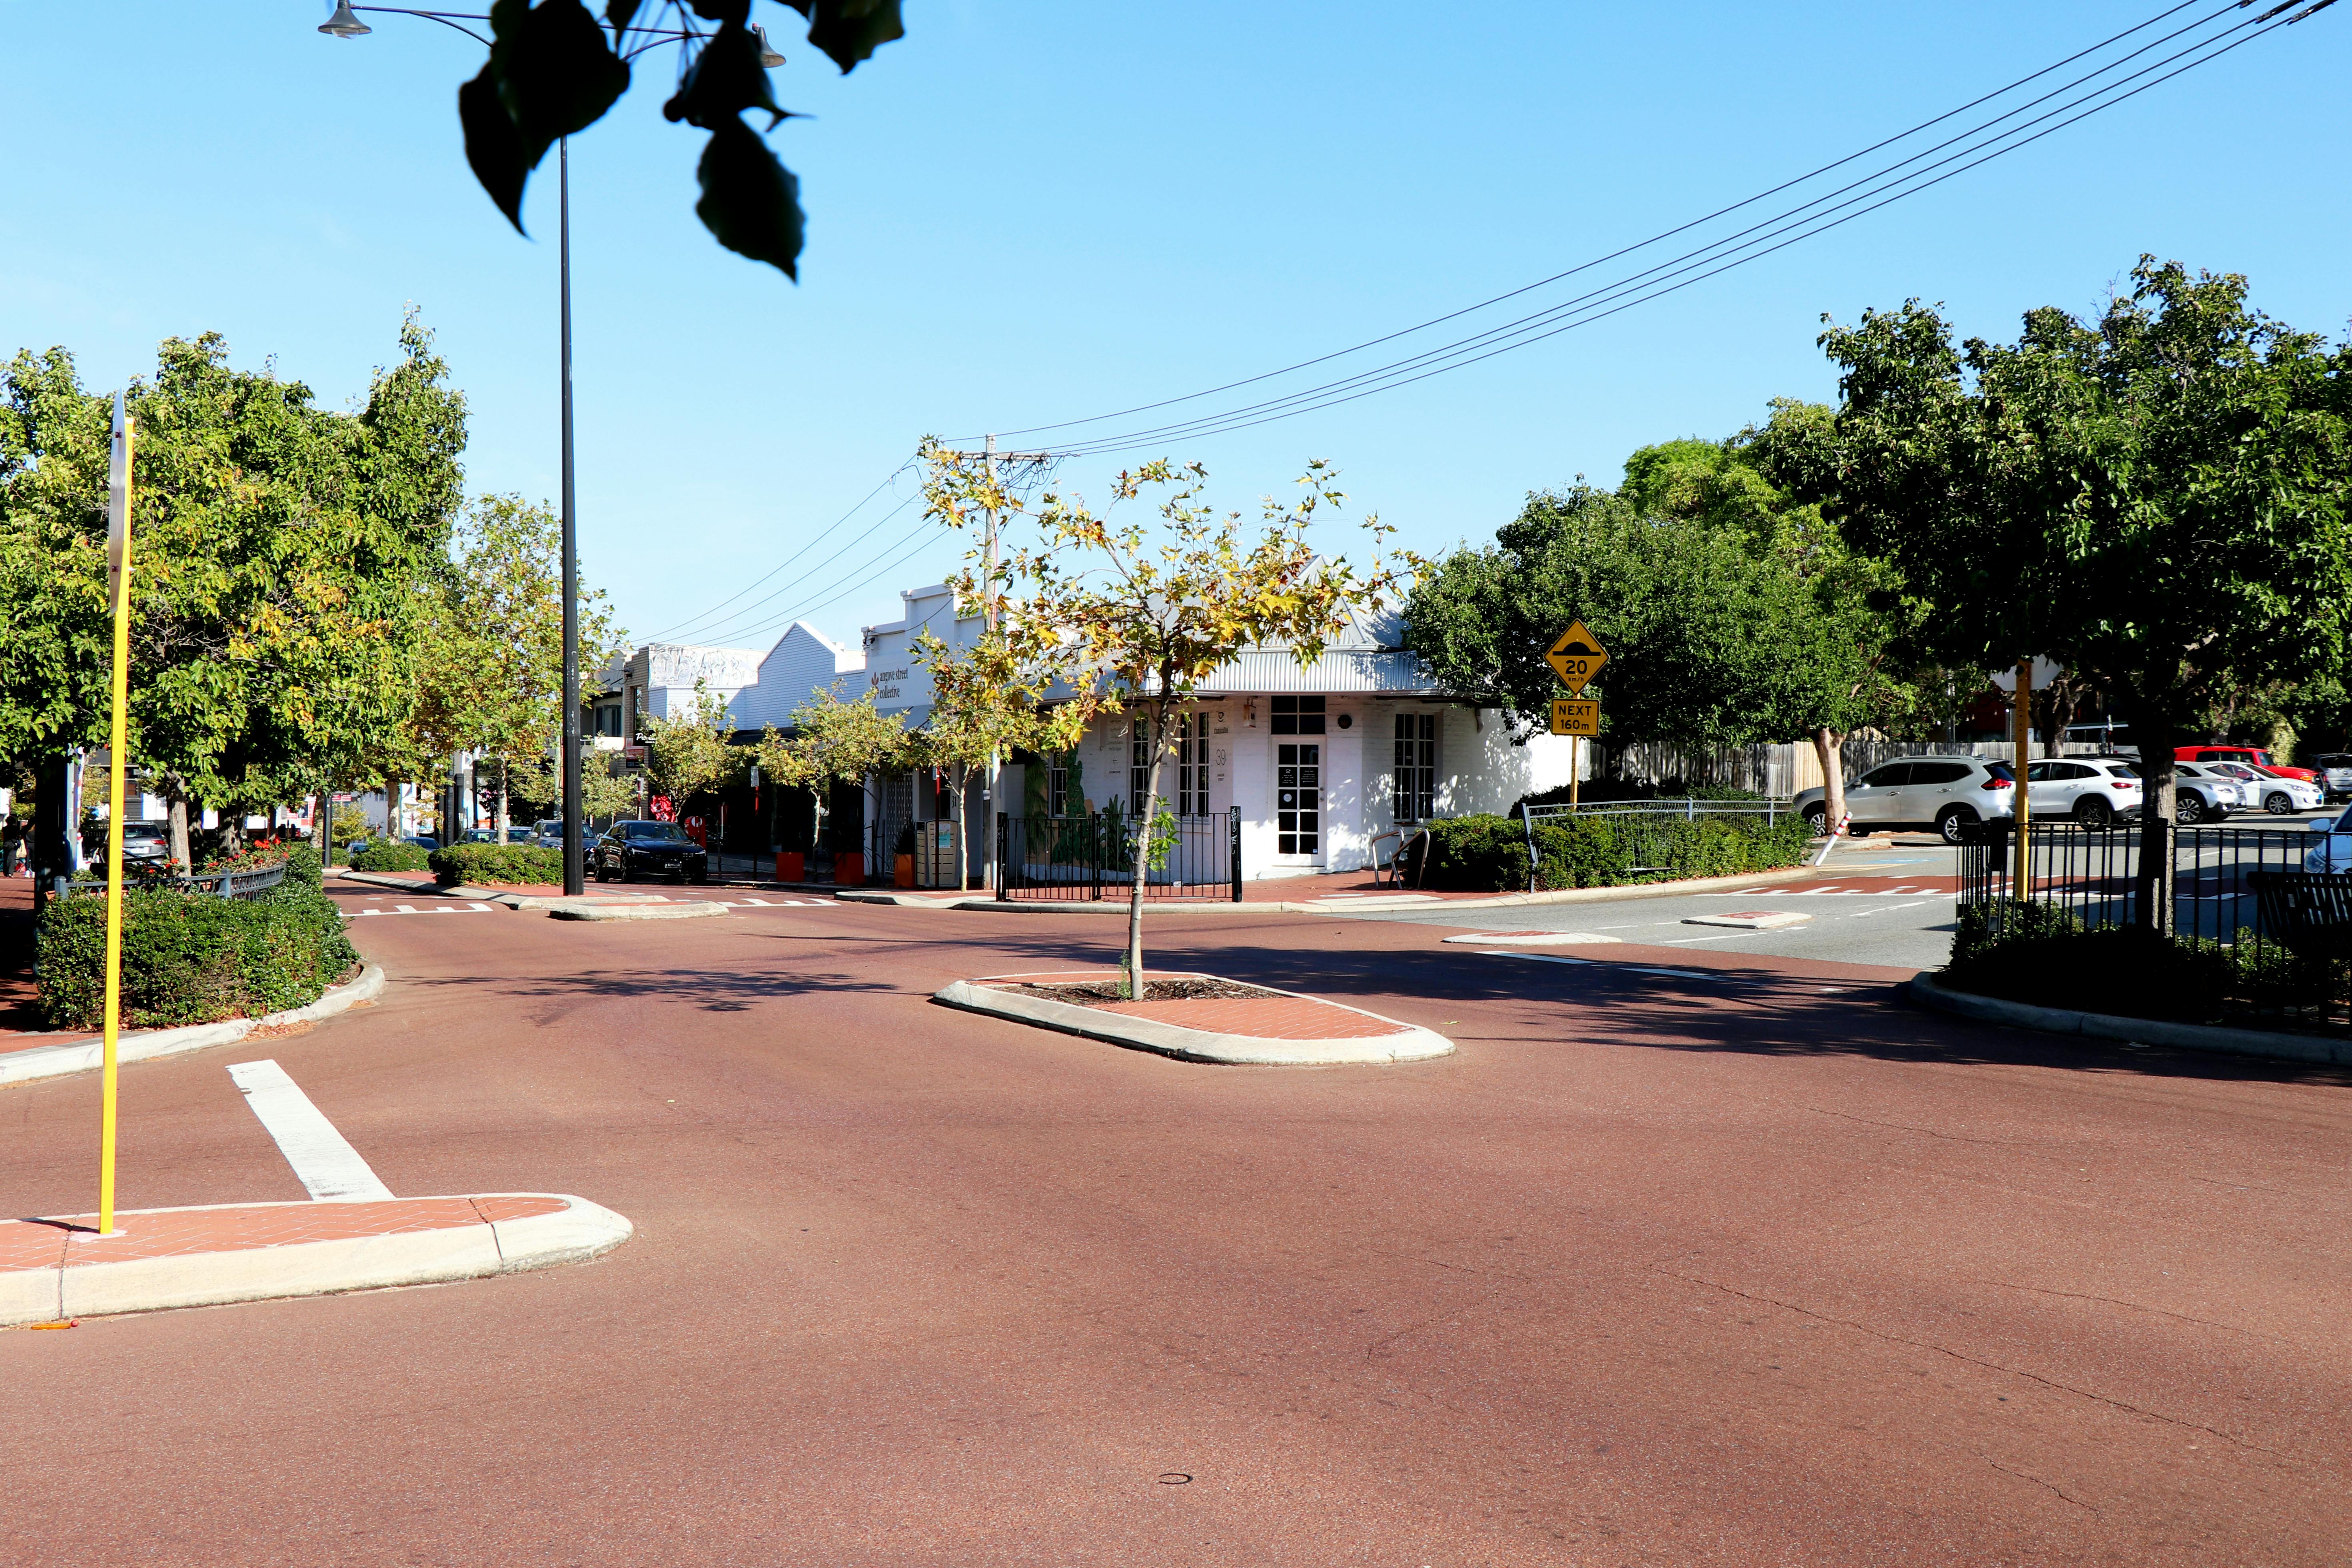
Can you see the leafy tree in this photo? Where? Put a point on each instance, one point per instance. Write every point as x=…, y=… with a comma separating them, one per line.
x=491, y=679
x=985, y=703
x=1691, y=616
x=2154, y=499
x=281, y=558
x=687, y=753
x=832, y=741
x=1126, y=618
x=553, y=71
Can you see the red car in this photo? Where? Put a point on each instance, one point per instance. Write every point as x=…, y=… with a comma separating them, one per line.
x=2252, y=756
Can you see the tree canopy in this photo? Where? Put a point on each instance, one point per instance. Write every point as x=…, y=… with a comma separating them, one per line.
x=2155, y=498
x=284, y=561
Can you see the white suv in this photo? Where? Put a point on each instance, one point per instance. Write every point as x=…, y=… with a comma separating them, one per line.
x=2093, y=791
x=2201, y=794
x=1947, y=793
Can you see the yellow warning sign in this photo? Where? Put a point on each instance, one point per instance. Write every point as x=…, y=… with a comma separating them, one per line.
x=1576, y=657
x=1572, y=717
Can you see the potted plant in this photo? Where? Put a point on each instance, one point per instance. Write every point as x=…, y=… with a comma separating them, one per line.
x=791, y=865
x=902, y=858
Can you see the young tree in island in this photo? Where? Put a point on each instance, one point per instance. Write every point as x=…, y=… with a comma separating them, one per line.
x=832, y=741
x=1131, y=618
x=986, y=702
x=2155, y=499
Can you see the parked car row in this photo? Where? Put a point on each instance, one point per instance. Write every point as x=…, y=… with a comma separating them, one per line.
x=1950, y=793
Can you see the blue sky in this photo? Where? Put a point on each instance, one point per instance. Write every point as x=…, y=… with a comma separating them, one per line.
x=1024, y=212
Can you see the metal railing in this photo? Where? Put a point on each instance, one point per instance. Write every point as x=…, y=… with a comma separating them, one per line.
x=2226, y=889
x=1093, y=857
x=246, y=882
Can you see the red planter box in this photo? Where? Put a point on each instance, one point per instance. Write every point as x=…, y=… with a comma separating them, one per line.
x=849, y=871
x=902, y=871
x=791, y=865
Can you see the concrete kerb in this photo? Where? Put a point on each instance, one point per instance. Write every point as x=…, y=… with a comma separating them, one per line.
x=1411, y=1044
x=35, y=1062
x=688, y=910
x=2263, y=1043
x=93, y=1287
x=1342, y=906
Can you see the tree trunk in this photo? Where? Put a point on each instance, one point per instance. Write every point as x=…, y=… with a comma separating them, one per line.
x=323, y=823
x=177, y=814
x=955, y=796
x=2153, y=881
x=505, y=810
x=1828, y=746
x=1142, y=830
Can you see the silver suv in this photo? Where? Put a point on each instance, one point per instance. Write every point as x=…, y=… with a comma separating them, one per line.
x=1947, y=794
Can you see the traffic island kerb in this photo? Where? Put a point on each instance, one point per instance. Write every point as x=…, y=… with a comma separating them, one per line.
x=55, y=1268
x=1270, y=1029
x=35, y=1061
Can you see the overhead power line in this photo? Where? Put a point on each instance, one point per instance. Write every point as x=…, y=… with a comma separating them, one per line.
x=1981, y=142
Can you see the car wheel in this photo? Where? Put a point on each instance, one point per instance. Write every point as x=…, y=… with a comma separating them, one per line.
x=2094, y=812
x=1816, y=820
x=627, y=875
x=1954, y=823
x=2277, y=803
x=2187, y=809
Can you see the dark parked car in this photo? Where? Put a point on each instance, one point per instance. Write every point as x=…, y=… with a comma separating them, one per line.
x=632, y=849
x=423, y=841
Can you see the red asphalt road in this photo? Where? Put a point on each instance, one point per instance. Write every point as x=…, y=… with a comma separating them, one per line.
x=1757, y=1267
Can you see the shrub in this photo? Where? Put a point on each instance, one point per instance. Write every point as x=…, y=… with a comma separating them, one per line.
x=390, y=857
x=2042, y=954
x=1489, y=854
x=482, y=865
x=1599, y=792
x=190, y=958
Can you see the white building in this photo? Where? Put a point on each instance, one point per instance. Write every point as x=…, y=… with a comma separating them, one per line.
x=1320, y=760
x=658, y=680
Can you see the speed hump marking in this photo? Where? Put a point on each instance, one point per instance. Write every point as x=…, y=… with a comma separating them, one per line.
x=1570, y=716
x=1577, y=656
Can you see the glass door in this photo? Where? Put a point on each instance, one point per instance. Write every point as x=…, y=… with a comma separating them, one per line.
x=1298, y=802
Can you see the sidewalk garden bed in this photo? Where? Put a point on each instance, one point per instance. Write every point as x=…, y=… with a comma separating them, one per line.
x=495, y=865
x=1488, y=854
x=2043, y=956
x=1103, y=993
x=192, y=957
x=390, y=857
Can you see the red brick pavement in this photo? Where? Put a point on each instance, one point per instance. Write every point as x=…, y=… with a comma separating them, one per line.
x=1253, y=1017
x=239, y=1227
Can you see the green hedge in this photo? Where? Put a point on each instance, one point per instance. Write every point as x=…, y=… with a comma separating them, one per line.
x=2042, y=954
x=486, y=865
x=1489, y=854
x=189, y=958
x=392, y=857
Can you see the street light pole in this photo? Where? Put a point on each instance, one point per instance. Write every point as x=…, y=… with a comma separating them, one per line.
x=574, y=882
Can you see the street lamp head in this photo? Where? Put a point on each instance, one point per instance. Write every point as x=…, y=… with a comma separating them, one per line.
x=345, y=23
x=769, y=59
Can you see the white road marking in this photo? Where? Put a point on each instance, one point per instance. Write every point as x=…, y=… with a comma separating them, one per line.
x=328, y=1168
x=436, y=910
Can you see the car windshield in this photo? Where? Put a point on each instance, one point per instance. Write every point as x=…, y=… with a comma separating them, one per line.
x=2123, y=770
x=2235, y=770
x=665, y=832
x=142, y=830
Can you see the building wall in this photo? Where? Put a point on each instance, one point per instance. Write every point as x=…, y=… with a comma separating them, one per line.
x=803, y=660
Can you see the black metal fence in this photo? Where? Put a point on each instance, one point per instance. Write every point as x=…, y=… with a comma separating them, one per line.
x=1093, y=857
x=2268, y=898
x=249, y=882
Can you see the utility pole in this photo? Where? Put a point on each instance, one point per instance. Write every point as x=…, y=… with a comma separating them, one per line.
x=574, y=881
x=987, y=625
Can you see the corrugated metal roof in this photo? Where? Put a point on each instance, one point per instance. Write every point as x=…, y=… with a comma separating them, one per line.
x=1338, y=670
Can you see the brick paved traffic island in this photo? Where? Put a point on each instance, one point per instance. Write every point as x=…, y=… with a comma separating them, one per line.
x=1198, y=1017
x=58, y=1268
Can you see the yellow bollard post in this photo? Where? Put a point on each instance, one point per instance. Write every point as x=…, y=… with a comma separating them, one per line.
x=118, y=541
x=2021, y=879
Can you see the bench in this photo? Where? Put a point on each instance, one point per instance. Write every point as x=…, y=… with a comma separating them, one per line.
x=2309, y=912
